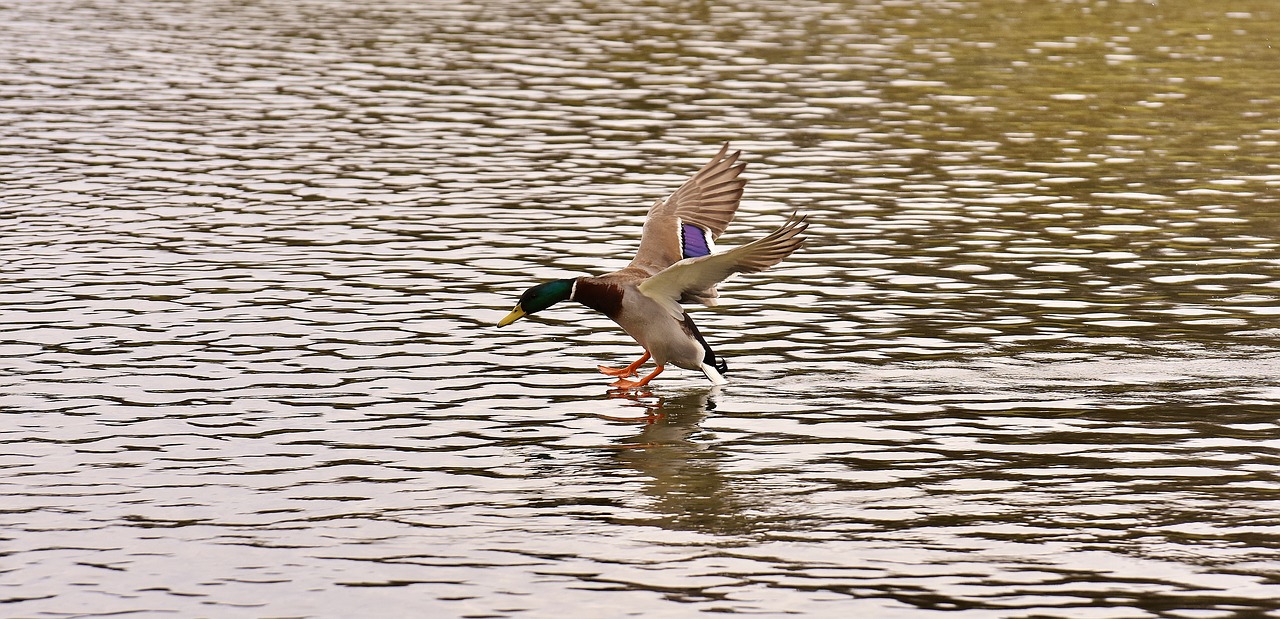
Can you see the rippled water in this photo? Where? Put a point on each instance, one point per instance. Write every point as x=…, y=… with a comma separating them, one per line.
x=253, y=253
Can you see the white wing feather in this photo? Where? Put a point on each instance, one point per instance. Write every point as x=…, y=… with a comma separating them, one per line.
x=692, y=275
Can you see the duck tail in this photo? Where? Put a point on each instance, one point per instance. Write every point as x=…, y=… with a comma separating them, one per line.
x=713, y=373
x=715, y=367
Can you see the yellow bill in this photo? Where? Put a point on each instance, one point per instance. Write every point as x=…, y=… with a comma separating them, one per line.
x=516, y=314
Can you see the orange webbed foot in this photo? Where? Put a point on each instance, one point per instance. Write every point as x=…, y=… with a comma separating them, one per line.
x=630, y=370
x=616, y=372
x=623, y=383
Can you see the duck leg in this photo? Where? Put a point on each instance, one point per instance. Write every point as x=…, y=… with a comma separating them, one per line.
x=630, y=370
x=623, y=383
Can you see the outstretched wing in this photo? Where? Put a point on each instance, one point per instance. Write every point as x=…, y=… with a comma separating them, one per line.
x=689, y=277
x=687, y=223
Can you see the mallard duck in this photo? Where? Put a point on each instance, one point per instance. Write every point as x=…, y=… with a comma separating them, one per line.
x=676, y=263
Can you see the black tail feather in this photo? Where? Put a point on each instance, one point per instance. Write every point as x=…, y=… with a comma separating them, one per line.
x=709, y=357
x=720, y=364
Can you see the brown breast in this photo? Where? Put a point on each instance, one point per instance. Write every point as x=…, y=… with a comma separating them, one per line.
x=600, y=295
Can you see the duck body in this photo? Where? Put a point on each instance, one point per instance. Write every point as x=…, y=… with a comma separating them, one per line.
x=676, y=263
x=665, y=338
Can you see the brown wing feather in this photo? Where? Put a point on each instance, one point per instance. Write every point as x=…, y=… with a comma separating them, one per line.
x=708, y=199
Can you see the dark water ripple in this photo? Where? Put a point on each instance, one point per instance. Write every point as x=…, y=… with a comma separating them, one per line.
x=253, y=253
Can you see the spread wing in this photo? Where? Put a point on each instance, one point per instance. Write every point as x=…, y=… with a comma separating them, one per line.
x=687, y=223
x=686, y=278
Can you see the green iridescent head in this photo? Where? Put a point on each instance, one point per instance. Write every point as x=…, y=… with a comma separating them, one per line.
x=538, y=298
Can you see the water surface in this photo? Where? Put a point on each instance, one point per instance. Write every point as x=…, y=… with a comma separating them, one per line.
x=253, y=254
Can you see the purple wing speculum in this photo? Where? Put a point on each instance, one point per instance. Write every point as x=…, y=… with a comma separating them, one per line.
x=695, y=241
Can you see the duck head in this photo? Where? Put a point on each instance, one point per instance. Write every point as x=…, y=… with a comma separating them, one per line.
x=538, y=298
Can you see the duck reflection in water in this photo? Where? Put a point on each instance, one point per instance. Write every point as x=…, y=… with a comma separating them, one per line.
x=686, y=488
x=667, y=420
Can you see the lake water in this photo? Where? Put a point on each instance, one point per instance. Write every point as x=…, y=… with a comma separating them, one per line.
x=254, y=252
